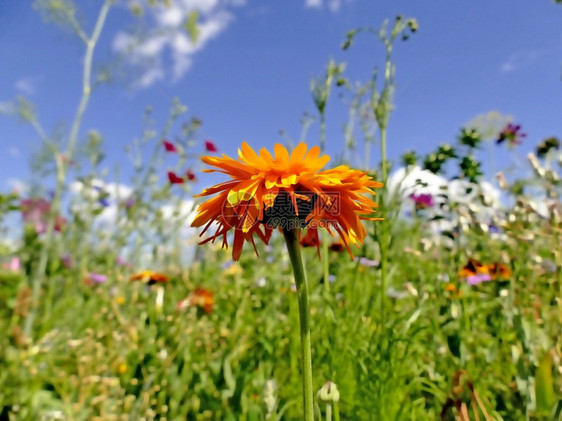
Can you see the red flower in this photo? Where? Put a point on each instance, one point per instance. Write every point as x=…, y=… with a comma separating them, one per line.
x=174, y=179
x=210, y=146
x=169, y=146
x=190, y=175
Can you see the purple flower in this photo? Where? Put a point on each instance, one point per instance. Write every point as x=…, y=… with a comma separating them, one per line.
x=512, y=133
x=477, y=279
x=422, y=200
x=364, y=261
x=104, y=202
x=97, y=278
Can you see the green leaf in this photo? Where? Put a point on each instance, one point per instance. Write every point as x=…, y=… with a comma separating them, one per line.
x=191, y=25
x=544, y=387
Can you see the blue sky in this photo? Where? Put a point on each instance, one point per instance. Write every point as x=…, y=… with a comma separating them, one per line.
x=249, y=75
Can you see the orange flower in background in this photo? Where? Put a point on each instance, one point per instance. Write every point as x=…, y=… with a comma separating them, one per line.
x=150, y=277
x=499, y=270
x=202, y=298
x=475, y=272
x=287, y=191
x=472, y=268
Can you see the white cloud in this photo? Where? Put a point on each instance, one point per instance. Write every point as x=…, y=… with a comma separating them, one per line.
x=169, y=36
x=333, y=5
x=520, y=59
x=26, y=85
x=17, y=185
x=182, y=212
x=313, y=4
x=6, y=107
x=13, y=151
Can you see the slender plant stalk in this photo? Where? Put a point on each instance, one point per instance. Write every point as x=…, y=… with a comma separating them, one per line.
x=293, y=247
x=328, y=416
x=325, y=235
x=383, y=224
x=61, y=167
x=336, y=411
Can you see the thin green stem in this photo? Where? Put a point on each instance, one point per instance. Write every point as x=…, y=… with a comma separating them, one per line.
x=322, y=132
x=383, y=224
x=336, y=411
x=37, y=278
x=293, y=247
x=325, y=235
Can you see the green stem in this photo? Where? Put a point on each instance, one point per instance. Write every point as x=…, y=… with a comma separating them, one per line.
x=383, y=224
x=325, y=235
x=322, y=132
x=61, y=168
x=293, y=247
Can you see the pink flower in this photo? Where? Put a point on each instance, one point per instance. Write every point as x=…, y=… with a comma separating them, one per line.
x=13, y=265
x=36, y=212
x=477, y=279
x=169, y=146
x=422, y=200
x=95, y=279
x=210, y=146
x=174, y=178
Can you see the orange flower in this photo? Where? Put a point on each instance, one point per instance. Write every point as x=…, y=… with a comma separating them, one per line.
x=202, y=298
x=499, y=270
x=472, y=268
x=287, y=191
x=150, y=277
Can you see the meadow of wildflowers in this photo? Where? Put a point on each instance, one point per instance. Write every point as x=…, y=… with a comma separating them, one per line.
x=306, y=287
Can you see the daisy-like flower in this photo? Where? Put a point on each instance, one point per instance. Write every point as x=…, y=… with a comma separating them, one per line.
x=288, y=191
x=150, y=277
x=475, y=272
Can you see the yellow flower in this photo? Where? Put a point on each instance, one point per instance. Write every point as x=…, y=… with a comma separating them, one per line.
x=286, y=191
